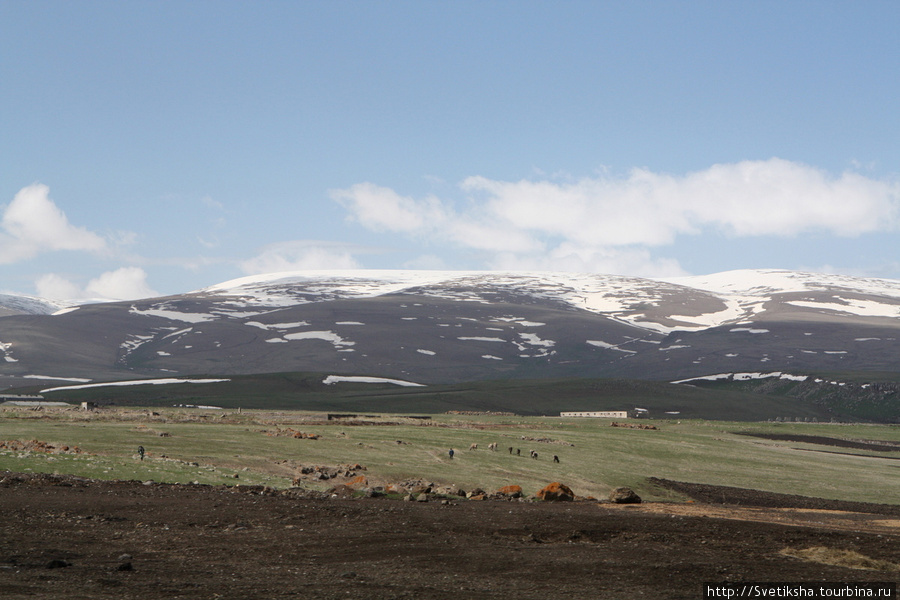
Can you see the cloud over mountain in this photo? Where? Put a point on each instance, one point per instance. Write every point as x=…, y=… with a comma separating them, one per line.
x=125, y=283
x=300, y=255
x=611, y=222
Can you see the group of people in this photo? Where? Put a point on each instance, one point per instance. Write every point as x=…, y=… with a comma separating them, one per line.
x=534, y=454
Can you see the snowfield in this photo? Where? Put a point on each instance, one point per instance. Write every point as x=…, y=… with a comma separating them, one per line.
x=332, y=379
x=730, y=298
x=132, y=382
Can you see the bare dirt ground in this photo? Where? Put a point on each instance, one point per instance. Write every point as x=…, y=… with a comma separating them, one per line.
x=66, y=537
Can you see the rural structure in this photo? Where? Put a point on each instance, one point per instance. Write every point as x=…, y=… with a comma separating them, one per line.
x=602, y=414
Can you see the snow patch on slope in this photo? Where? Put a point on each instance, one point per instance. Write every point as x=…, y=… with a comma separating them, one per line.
x=132, y=382
x=332, y=379
x=167, y=312
x=745, y=377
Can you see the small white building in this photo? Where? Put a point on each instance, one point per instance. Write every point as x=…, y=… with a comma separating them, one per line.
x=601, y=414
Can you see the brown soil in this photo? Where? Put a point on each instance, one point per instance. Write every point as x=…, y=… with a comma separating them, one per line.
x=66, y=537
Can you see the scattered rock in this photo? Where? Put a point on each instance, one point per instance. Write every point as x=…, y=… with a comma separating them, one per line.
x=449, y=490
x=556, y=492
x=511, y=491
x=359, y=481
x=634, y=426
x=624, y=495
x=341, y=491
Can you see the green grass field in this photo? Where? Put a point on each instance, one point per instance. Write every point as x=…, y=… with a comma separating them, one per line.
x=211, y=446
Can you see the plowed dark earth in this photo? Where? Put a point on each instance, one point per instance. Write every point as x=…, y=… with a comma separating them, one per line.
x=65, y=537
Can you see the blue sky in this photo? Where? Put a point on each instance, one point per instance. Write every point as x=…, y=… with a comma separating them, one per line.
x=159, y=147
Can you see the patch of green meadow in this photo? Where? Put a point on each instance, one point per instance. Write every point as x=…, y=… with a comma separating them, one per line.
x=185, y=445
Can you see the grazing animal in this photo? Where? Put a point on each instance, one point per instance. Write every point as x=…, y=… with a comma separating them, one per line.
x=492, y=446
x=510, y=449
x=534, y=454
x=555, y=458
x=518, y=451
x=473, y=447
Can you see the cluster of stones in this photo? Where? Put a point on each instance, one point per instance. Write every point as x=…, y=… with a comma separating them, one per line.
x=633, y=425
x=323, y=473
x=546, y=441
x=37, y=446
x=422, y=491
x=290, y=432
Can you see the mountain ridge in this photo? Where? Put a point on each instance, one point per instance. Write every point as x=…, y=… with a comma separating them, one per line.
x=432, y=326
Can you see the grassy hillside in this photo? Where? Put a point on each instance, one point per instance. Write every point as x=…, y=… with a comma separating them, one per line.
x=305, y=391
x=211, y=446
x=844, y=395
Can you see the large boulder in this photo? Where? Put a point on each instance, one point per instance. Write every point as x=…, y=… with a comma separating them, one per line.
x=624, y=495
x=556, y=492
x=511, y=491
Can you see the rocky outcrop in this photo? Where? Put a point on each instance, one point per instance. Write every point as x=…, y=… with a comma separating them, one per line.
x=556, y=492
x=510, y=491
x=624, y=495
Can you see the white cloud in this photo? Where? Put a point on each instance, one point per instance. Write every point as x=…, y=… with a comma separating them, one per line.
x=126, y=283
x=382, y=209
x=782, y=198
x=569, y=257
x=32, y=224
x=608, y=223
x=56, y=287
x=300, y=256
x=213, y=204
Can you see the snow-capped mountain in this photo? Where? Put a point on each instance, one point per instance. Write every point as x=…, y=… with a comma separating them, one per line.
x=432, y=326
x=13, y=304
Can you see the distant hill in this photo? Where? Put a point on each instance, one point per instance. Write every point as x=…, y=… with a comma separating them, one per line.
x=435, y=327
x=12, y=304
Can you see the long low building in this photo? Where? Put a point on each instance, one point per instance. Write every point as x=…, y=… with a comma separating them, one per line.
x=603, y=414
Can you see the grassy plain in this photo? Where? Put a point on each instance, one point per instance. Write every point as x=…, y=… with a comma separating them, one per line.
x=212, y=446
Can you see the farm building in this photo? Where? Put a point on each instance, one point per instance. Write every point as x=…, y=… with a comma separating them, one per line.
x=29, y=401
x=602, y=414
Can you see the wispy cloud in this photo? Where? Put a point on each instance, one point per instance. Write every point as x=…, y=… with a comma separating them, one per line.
x=300, y=256
x=32, y=224
x=611, y=223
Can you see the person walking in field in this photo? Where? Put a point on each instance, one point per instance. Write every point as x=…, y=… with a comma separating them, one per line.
x=451, y=453
x=141, y=452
